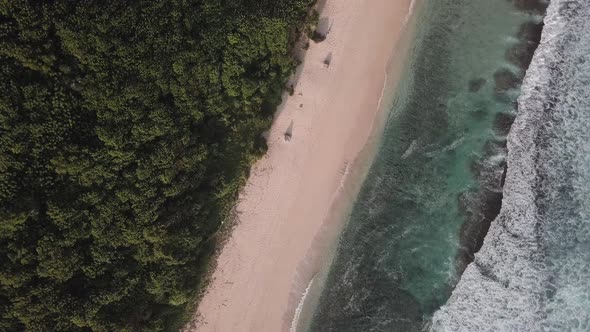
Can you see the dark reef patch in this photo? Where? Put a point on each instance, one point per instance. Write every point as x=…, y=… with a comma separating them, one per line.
x=536, y=7
x=504, y=80
x=480, y=209
x=502, y=123
x=482, y=206
x=529, y=36
x=521, y=54
x=531, y=32
x=480, y=113
x=476, y=84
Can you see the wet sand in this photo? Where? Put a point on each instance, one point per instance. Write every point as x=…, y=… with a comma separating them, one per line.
x=258, y=280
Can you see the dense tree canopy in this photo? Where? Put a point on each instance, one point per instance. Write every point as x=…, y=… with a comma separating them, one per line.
x=126, y=128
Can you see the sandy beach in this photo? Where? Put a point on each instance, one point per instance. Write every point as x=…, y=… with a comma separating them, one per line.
x=258, y=280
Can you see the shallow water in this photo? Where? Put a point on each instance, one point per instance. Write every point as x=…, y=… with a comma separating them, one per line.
x=533, y=272
x=426, y=199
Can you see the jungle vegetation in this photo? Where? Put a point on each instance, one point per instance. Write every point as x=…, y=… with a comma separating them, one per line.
x=126, y=130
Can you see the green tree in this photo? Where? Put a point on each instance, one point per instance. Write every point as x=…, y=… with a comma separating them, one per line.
x=126, y=131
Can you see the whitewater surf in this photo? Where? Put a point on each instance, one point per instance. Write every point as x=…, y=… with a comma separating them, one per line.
x=533, y=271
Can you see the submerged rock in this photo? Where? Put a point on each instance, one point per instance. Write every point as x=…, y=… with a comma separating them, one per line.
x=537, y=7
x=476, y=84
x=505, y=80
x=502, y=123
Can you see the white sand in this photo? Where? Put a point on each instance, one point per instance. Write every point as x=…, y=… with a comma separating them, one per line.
x=258, y=280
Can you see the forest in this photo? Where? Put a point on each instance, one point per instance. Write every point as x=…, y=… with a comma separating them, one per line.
x=127, y=129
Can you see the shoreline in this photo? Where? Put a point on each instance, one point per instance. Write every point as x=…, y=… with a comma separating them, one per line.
x=299, y=192
x=326, y=242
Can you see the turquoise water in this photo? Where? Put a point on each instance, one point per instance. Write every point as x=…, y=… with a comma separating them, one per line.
x=434, y=185
x=533, y=272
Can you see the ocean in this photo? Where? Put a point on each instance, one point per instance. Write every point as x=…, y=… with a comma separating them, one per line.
x=533, y=272
x=435, y=185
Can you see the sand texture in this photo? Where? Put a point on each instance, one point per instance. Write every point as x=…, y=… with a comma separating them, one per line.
x=258, y=280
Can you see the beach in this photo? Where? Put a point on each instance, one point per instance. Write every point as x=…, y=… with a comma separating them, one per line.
x=267, y=262
x=435, y=182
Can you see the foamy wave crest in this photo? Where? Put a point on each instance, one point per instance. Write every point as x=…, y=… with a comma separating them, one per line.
x=410, y=12
x=533, y=271
x=299, y=309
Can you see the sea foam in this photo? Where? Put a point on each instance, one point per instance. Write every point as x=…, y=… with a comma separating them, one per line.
x=533, y=271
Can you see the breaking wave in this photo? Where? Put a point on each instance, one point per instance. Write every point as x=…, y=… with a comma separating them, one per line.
x=533, y=271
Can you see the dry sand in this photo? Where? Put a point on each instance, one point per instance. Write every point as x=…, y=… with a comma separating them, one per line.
x=259, y=279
